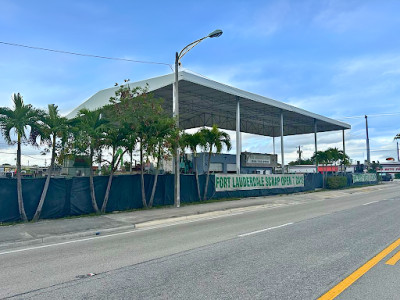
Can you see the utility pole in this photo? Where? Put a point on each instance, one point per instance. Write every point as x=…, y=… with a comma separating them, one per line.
x=398, y=156
x=368, y=151
x=299, y=152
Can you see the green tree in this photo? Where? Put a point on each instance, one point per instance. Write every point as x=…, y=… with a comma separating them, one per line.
x=329, y=157
x=321, y=157
x=213, y=138
x=19, y=120
x=302, y=162
x=54, y=127
x=193, y=141
x=88, y=132
x=139, y=112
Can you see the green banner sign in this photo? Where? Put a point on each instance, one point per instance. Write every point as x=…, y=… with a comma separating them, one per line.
x=365, y=177
x=227, y=182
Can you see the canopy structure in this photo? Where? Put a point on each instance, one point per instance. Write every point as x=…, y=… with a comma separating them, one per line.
x=204, y=102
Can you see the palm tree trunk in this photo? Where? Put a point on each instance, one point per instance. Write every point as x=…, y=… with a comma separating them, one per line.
x=208, y=177
x=197, y=178
x=142, y=176
x=46, y=185
x=153, y=191
x=107, y=195
x=21, y=208
x=130, y=168
x=114, y=166
x=91, y=184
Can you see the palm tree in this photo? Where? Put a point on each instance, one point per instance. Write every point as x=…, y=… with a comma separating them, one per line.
x=213, y=138
x=163, y=131
x=54, y=127
x=192, y=141
x=115, y=137
x=18, y=120
x=88, y=129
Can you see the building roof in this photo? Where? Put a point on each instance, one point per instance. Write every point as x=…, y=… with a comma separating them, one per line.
x=204, y=102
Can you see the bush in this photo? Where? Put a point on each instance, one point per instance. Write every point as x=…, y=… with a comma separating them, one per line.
x=336, y=182
x=397, y=176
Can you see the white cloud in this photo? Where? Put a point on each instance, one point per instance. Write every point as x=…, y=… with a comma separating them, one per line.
x=341, y=16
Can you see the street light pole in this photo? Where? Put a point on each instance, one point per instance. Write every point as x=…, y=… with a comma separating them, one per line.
x=177, y=181
x=175, y=111
x=368, y=151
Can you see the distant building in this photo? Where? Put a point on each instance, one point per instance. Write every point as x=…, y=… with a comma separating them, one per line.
x=391, y=168
x=77, y=166
x=250, y=163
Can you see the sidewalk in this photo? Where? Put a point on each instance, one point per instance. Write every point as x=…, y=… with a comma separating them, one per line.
x=51, y=231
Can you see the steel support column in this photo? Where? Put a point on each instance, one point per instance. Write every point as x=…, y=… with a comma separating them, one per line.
x=273, y=140
x=238, y=136
x=282, y=146
x=315, y=145
x=344, y=149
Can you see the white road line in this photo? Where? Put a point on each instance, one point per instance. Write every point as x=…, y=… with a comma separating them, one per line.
x=262, y=230
x=119, y=233
x=370, y=202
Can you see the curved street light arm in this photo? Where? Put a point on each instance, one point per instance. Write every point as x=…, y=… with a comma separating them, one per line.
x=190, y=47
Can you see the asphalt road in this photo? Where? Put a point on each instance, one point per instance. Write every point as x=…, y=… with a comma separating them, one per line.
x=290, y=252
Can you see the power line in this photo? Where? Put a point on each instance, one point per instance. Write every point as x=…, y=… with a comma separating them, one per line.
x=87, y=55
x=14, y=153
x=372, y=115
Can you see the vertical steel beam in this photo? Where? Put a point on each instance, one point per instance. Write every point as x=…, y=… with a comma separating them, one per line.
x=238, y=136
x=273, y=144
x=273, y=140
x=315, y=145
x=282, y=146
x=344, y=149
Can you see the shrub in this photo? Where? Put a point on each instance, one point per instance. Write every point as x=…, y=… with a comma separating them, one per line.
x=336, y=182
x=397, y=176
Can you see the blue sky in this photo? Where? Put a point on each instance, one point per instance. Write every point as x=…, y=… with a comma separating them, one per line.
x=336, y=58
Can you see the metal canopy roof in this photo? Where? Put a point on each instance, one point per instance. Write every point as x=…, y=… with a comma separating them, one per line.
x=204, y=102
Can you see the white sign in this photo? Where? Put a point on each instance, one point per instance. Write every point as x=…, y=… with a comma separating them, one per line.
x=367, y=177
x=228, y=182
x=253, y=160
x=390, y=169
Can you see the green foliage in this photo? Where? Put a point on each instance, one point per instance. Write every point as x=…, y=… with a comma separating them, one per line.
x=87, y=133
x=19, y=120
x=141, y=119
x=192, y=141
x=215, y=139
x=374, y=166
x=336, y=182
x=331, y=156
x=302, y=162
x=397, y=176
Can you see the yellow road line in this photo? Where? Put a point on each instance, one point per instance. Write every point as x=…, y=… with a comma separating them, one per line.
x=394, y=259
x=345, y=283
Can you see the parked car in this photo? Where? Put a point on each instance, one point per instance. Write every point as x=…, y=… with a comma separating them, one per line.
x=386, y=177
